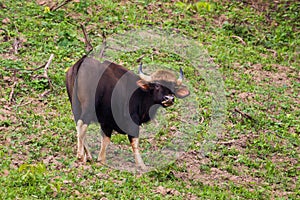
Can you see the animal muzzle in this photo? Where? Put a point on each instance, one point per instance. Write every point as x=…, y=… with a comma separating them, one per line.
x=168, y=100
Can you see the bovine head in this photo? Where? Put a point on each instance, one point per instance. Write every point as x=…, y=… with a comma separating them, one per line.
x=164, y=86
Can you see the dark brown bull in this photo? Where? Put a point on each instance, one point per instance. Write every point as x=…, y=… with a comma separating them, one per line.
x=118, y=99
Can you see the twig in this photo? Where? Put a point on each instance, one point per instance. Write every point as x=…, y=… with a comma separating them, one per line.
x=240, y=39
x=103, y=45
x=16, y=45
x=59, y=6
x=88, y=45
x=140, y=58
x=102, y=49
x=243, y=114
x=31, y=69
x=104, y=36
x=226, y=142
x=12, y=92
x=202, y=120
x=273, y=51
x=46, y=67
x=46, y=70
x=6, y=107
x=24, y=104
x=45, y=93
x=35, y=69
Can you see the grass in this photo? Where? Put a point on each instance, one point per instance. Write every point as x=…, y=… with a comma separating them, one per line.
x=255, y=47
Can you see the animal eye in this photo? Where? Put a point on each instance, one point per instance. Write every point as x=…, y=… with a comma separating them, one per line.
x=157, y=87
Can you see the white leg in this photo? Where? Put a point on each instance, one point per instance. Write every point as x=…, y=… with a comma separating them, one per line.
x=82, y=137
x=79, y=142
x=87, y=152
x=137, y=156
x=105, y=140
x=82, y=150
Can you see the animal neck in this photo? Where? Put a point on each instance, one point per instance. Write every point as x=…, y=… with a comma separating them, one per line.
x=148, y=108
x=147, y=99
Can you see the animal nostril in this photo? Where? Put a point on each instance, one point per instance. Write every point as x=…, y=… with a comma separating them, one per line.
x=168, y=98
x=172, y=98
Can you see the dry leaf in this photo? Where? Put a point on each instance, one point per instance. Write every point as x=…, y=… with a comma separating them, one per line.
x=67, y=181
x=6, y=20
x=41, y=2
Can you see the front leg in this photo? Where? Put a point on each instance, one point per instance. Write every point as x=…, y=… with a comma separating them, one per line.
x=105, y=140
x=137, y=156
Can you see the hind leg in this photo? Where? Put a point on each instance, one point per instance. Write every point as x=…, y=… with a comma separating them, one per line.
x=79, y=143
x=87, y=152
x=83, y=153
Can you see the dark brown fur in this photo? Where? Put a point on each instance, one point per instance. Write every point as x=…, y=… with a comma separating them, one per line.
x=71, y=76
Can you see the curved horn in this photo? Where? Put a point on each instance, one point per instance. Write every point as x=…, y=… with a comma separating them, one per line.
x=142, y=75
x=179, y=80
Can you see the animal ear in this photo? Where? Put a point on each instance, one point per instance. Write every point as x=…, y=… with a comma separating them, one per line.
x=182, y=92
x=143, y=85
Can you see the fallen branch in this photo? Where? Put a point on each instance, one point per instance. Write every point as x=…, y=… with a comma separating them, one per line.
x=45, y=93
x=46, y=70
x=88, y=46
x=202, y=120
x=240, y=39
x=46, y=67
x=243, y=114
x=24, y=104
x=140, y=58
x=102, y=49
x=35, y=69
x=53, y=8
x=16, y=45
x=103, y=46
x=273, y=51
x=226, y=142
x=12, y=92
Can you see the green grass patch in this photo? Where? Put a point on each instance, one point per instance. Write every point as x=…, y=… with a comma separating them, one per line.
x=255, y=46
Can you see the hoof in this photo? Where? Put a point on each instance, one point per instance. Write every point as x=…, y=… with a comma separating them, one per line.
x=89, y=159
x=103, y=162
x=142, y=167
x=81, y=158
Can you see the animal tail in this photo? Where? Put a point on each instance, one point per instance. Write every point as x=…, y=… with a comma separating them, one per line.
x=71, y=75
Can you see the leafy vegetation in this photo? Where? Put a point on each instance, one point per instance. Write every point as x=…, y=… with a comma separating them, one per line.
x=256, y=48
